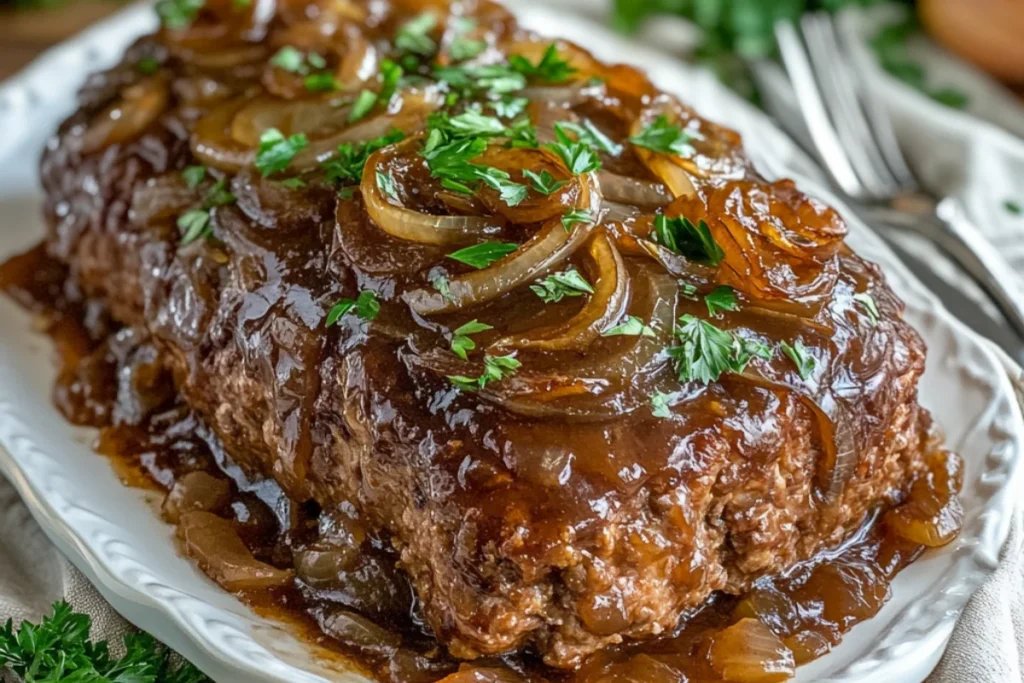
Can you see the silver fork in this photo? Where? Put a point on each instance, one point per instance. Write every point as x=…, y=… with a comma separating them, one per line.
x=856, y=143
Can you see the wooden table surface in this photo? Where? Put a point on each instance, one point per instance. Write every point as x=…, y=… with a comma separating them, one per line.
x=24, y=33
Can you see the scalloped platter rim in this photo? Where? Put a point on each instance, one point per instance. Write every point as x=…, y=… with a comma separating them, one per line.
x=111, y=533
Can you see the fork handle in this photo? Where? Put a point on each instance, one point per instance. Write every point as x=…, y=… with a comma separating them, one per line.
x=959, y=238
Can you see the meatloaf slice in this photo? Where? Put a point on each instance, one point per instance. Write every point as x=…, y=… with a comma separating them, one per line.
x=565, y=529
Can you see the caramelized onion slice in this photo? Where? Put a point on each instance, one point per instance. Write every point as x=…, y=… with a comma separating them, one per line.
x=748, y=652
x=646, y=194
x=547, y=249
x=414, y=226
x=213, y=144
x=196, y=491
x=137, y=108
x=215, y=545
x=932, y=515
x=603, y=308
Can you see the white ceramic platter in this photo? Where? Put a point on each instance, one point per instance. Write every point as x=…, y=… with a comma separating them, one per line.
x=111, y=533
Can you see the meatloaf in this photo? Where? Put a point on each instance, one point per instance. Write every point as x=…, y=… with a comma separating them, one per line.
x=542, y=325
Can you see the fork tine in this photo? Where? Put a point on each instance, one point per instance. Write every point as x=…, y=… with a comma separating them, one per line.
x=840, y=97
x=879, y=119
x=824, y=134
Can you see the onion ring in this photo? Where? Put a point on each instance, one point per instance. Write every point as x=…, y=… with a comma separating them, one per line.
x=137, y=108
x=604, y=307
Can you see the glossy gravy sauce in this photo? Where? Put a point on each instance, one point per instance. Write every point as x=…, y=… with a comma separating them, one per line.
x=364, y=608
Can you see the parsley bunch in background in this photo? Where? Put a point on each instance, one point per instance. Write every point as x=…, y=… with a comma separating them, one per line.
x=59, y=650
x=736, y=30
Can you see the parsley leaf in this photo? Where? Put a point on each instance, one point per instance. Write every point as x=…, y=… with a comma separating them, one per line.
x=290, y=59
x=461, y=343
x=193, y=225
x=1013, y=208
x=556, y=286
x=660, y=404
x=324, y=81
x=386, y=184
x=483, y=254
x=147, y=66
x=695, y=242
x=578, y=157
x=511, y=193
x=363, y=105
x=665, y=137
x=492, y=80
x=867, y=302
x=351, y=158
x=443, y=288
x=801, y=358
x=631, y=327
x=551, y=67
x=466, y=48
x=59, y=649
x=277, y=151
x=178, y=14
x=705, y=351
x=294, y=183
x=576, y=216
x=193, y=176
x=366, y=307
x=745, y=350
x=496, y=368
x=591, y=135
x=414, y=35
x=510, y=107
x=721, y=298
x=543, y=182
x=218, y=195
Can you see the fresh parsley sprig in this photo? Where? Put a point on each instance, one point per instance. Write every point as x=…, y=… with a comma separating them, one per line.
x=276, y=151
x=667, y=138
x=632, y=326
x=347, y=165
x=705, y=351
x=496, y=368
x=801, y=357
x=543, y=182
x=483, y=254
x=461, y=342
x=365, y=305
x=721, y=298
x=551, y=67
x=59, y=650
x=695, y=242
x=555, y=287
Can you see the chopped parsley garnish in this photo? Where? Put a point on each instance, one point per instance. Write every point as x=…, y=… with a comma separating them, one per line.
x=687, y=290
x=632, y=326
x=511, y=193
x=721, y=298
x=365, y=305
x=453, y=141
x=744, y=350
x=1013, y=207
x=576, y=216
x=492, y=80
x=483, y=254
x=294, y=183
x=362, y=106
x=496, y=368
x=522, y=133
x=801, y=357
x=665, y=137
x=704, y=353
x=193, y=176
x=867, y=302
x=461, y=343
x=351, y=158
x=695, y=242
x=59, y=649
x=218, y=195
x=390, y=76
x=414, y=35
x=589, y=134
x=323, y=81
x=386, y=184
x=466, y=48
x=147, y=66
x=193, y=225
x=551, y=68
x=510, y=107
x=556, y=286
x=178, y=14
x=443, y=288
x=277, y=151
x=543, y=182
x=289, y=59
x=578, y=157
x=660, y=404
